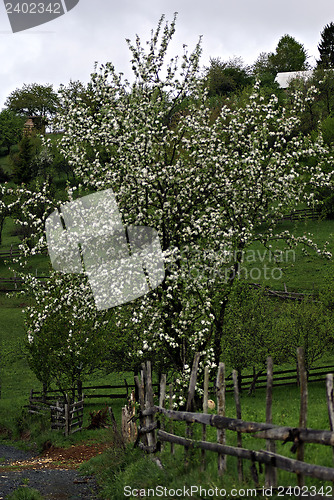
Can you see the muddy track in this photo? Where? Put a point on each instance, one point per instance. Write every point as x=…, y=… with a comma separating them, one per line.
x=53, y=473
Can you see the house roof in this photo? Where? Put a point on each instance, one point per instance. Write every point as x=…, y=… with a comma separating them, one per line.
x=284, y=79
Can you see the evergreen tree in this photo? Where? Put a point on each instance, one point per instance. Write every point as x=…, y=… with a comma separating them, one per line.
x=23, y=159
x=326, y=47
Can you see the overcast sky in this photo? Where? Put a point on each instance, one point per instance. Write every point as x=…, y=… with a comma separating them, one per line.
x=95, y=30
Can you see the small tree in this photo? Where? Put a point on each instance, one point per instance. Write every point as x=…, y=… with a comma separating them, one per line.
x=289, y=55
x=306, y=324
x=34, y=99
x=22, y=160
x=66, y=339
x=248, y=337
x=224, y=78
x=7, y=205
x=323, y=80
x=11, y=128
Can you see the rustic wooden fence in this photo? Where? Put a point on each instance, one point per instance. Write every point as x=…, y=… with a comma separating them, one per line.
x=285, y=294
x=13, y=252
x=154, y=419
x=280, y=378
x=14, y=284
x=64, y=415
x=249, y=383
x=93, y=392
x=68, y=417
x=303, y=214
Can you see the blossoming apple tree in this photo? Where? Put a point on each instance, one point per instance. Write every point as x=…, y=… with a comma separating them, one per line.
x=209, y=187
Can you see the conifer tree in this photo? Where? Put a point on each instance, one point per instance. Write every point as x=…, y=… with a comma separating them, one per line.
x=326, y=47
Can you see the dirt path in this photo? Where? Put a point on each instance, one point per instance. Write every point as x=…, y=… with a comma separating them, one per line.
x=52, y=473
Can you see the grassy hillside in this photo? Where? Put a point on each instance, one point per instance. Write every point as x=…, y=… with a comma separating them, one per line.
x=299, y=271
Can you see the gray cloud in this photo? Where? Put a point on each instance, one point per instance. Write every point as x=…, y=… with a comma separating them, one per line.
x=95, y=30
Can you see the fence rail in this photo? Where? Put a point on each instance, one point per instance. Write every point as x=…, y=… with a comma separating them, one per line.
x=152, y=431
x=14, y=284
x=68, y=417
x=104, y=391
x=13, y=252
x=284, y=294
x=304, y=213
x=280, y=378
x=122, y=391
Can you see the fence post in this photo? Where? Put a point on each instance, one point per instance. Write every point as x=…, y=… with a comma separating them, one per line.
x=238, y=409
x=117, y=435
x=271, y=472
x=162, y=395
x=330, y=402
x=171, y=425
x=67, y=418
x=220, y=387
x=190, y=400
x=303, y=407
x=57, y=414
x=141, y=396
x=205, y=410
x=149, y=403
x=192, y=383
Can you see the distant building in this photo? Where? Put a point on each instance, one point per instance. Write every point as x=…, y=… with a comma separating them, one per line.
x=34, y=123
x=284, y=79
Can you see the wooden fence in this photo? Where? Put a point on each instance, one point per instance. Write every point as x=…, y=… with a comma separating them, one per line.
x=280, y=378
x=303, y=214
x=92, y=392
x=68, y=417
x=14, y=284
x=249, y=383
x=63, y=415
x=155, y=419
x=285, y=294
x=13, y=252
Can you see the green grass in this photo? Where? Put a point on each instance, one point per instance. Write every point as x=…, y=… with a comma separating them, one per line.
x=37, y=264
x=299, y=272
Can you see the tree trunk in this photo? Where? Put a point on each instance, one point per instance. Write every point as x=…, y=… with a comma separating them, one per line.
x=239, y=370
x=79, y=389
x=255, y=377
x=2, y=221
x=44, y=391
